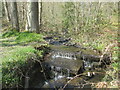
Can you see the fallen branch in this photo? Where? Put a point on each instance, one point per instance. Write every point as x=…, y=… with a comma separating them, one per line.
x=76, y=77
x=107, y=49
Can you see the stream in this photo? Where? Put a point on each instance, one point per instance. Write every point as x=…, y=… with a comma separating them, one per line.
x=65, y=62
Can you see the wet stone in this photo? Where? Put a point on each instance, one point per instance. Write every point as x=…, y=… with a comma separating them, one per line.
x=64, y=63
x=69, y=63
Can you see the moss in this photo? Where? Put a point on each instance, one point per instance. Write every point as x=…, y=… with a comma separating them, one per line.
x=23, y=37
x=29, y=37
x=10, y=33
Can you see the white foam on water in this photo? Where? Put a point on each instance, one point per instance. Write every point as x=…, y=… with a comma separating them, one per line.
x=89, y=74
x=69, y=77
x=64, y=55
x=58, y=77
x=46, y=82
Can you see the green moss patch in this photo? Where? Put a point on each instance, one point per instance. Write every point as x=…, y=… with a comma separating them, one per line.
x=10, y=33
x=12, y=38
x=15, y=62
x=29, y=37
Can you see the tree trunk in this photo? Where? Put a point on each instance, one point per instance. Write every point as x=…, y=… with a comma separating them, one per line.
x=7, y=12
x=33, y=17
x=1, y=10
x=14, y=16
x=76, y=23
x=40, y=15
x=23, y=11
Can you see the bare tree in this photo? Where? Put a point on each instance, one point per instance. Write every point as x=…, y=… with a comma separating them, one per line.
x=40, y=15
x=7, y=11
x=33, y=17
x=14, y=16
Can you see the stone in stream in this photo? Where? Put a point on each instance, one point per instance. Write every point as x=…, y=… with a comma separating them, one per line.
x=83, y=53
x=64, y=57
x=61, y=82
x=81, y=81
x=59, y=42
x=72, y=66
x=92, y=56
x=65, y=62
x=55, y=84
x=67, y=58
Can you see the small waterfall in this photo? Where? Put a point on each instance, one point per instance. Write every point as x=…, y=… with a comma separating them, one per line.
x=74, y=57
x=58, y=68
x=68, y=73
x=87, y=65
x=83, y=58
x=61, y=72
x=89, y=74
x=56, y=76
x=66, y=55
x=58, y=73
x=46, y=82
x=52, y=67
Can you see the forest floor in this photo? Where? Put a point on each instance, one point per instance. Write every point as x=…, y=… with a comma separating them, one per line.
x=16, y=49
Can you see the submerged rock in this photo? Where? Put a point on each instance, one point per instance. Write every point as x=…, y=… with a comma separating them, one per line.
x=64, y=57
x=72, y=65
x=78, y=82
x=93, y=56
x=65, y=62
x=55, y=84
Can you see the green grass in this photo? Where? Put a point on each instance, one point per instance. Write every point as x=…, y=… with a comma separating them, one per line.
x=115, y=58
x=12, y=38
x=28, y=37
x=16, y=58
x=11, y=62
x=17, y=52
x=10, y=33
x=15, y=62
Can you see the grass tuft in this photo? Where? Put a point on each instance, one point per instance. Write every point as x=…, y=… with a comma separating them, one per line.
x=16, y=58
x=10, y=33
x=29, y=37
x=15, y=62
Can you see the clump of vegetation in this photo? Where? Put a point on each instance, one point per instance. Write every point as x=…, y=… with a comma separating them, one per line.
x=28, y=37
x=10, y=33
x=22, y=37
x=15, y=62
x=18, y=59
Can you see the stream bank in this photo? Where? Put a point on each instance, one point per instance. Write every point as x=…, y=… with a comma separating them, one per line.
x=20, y=57
x=54, y=65
x=71, y=63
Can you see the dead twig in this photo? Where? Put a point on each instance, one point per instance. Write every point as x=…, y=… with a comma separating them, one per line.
x=76, y=77
x=107, y=49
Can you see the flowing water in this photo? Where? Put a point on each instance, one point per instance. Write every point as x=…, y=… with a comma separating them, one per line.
x=63, y=65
